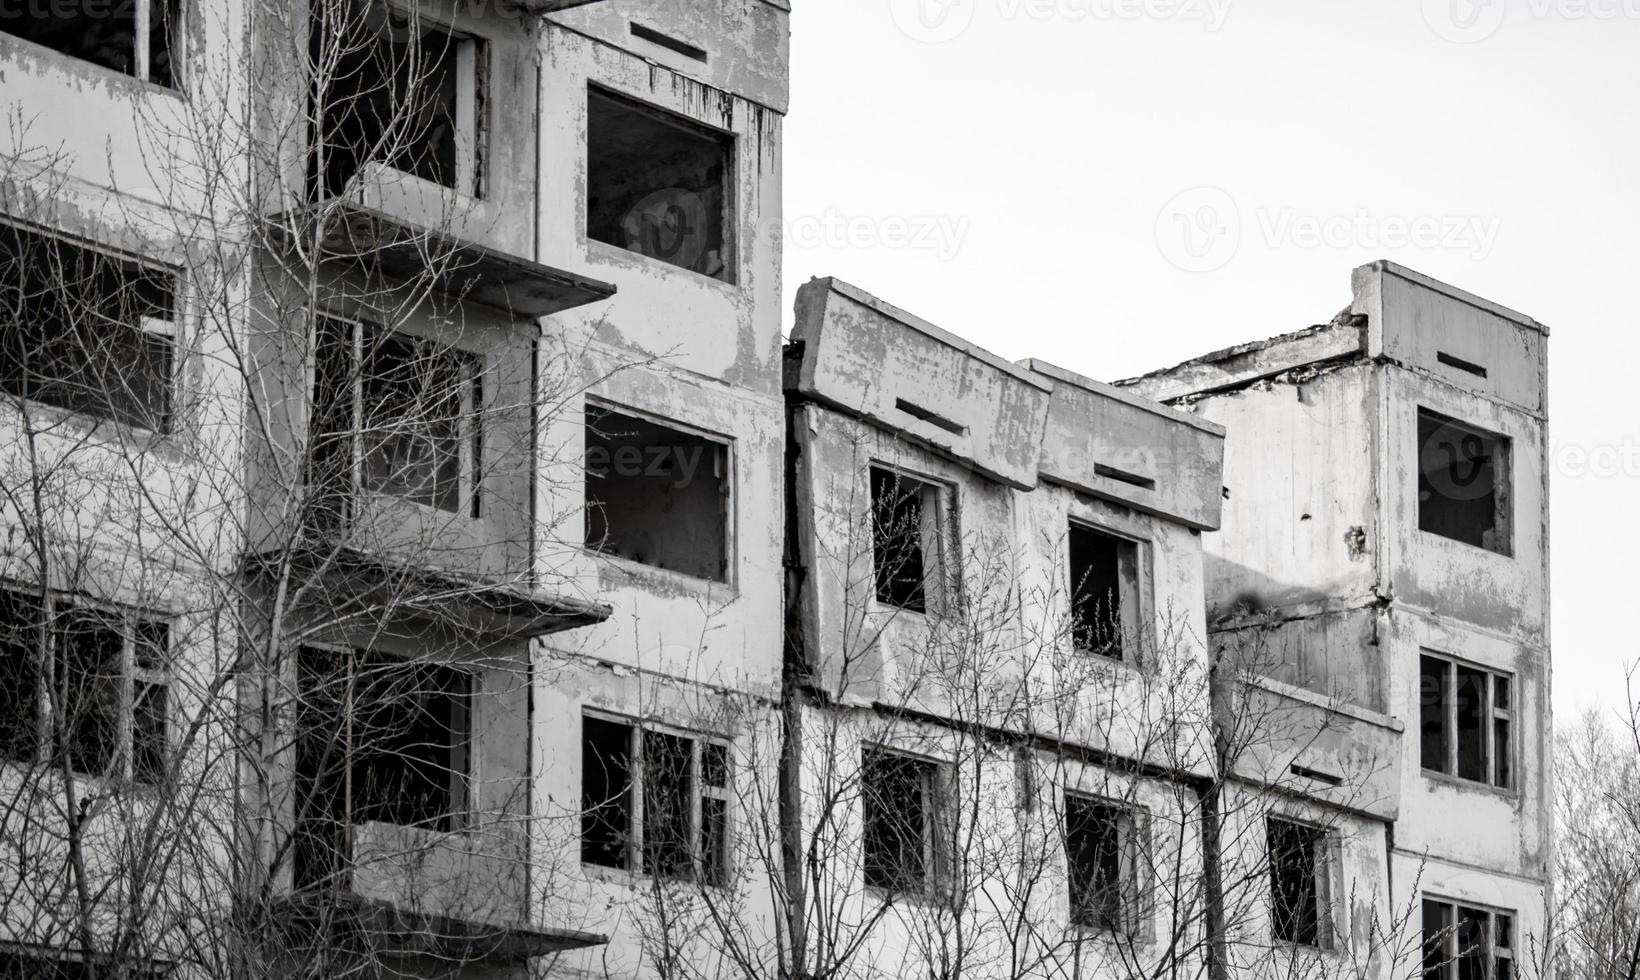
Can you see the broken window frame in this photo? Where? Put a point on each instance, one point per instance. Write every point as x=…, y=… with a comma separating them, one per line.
x=471, y=129
x=469, y=428
x=1131, y=600
x=1502, y=464
x=1443, y=953
x=728, y=245
x=1319, y=856
x=143, y=35
x=138, y=758
x=1497, y=721
x=1128, y=824
x=334, y=832
x=160, y=331
x=936, y=593
x=882, y=870
x=723, y=464
x=710, y=858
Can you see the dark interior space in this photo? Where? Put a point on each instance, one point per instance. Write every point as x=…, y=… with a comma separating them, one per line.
x=386, y=89
x=107, y=34
x=898, y=538
x=85, y=331
x=668, y=795
x=656, y=495
x=1463, y=489
x=1093, y=857
x=1295, y=866
x=606, y=792
x=657, y=184
x=380, y=739
x=896, y=807
x=1102, y=570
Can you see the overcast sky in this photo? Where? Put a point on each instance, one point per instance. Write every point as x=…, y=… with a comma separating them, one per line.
x=1118, y=185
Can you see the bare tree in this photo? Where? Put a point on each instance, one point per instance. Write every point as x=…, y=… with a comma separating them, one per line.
x=1597, y=825
x=272, y=524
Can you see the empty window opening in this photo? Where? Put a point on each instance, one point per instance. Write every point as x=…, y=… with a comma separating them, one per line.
x=1300, y=899
x=393, y=89
x=396, y=415
x=1464, y=943
x=1465, y=721
x=379, y=739
x=122, y=35
x=85, y=331
x=657, y=495
x=84, y=685
x=932, y=418
x=1101, y=862
x=658, y=185
x=1468, y=367
x=908, y=551
x=1123, y=476
x=903, y=816
x=1104, y=584
x=668, y=42
x=654, y=802
x=1463, y=482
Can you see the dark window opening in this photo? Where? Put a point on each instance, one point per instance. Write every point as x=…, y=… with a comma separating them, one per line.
x=85, y=331
x=1466, y=720
x=392, y=88
x=1104, y=581
x=1463, y=943
x=380, y=739
x=679, y=776
x=906, y=516
x=658, y=185
x=395, y=415
x=668, y=42
x=1100, y=862
x=656, y=495
x=899, y=807
x=105, y=709
x=1299, y=899
x=112, y=34
x=1463, y=483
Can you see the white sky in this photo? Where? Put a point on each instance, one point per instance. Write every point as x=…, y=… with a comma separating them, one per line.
x=1011, y=170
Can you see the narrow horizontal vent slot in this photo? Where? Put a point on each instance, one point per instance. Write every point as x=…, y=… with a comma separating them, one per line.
x=1123, y=476
x=1468, y=367
x=1317, y=775
x=932, y=418
x=668, y=42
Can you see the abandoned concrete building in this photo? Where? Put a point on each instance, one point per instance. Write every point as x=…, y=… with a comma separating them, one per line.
x=431, y=551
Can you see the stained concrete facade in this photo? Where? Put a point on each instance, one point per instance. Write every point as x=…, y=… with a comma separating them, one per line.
x=1322, y=537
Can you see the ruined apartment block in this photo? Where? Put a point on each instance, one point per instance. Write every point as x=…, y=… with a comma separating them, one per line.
x=997, y=600
x=416, y=467
x=1386, y=538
